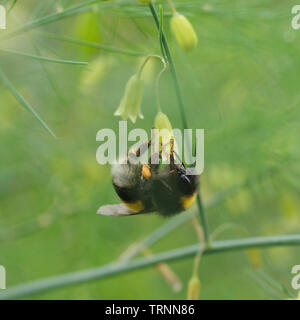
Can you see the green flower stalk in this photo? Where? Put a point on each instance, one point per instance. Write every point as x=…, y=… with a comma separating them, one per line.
x=130, y=105
x=183, y=31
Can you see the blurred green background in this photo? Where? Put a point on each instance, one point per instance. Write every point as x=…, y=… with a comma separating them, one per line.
x=241, y=85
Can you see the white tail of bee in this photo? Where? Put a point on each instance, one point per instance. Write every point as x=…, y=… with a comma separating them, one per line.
x=116, y=210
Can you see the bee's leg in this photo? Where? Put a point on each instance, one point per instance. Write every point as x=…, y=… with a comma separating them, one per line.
x=146, y=168
x=154, y=160
x=177, y=156
x=172, y=160
x=173, y=165
x=142, y=148
x=157, y=156
x=132, y=154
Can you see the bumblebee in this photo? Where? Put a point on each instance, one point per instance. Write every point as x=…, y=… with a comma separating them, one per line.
x=145, y=188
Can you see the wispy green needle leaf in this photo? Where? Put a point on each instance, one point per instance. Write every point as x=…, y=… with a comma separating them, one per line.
x=51, y=18
x=12, y=5
x=46, y=59
x=264, y=285
x=51, y=81
x=42, y=8
x=279, y=286
x=160, y=31
x=22, y=101
x=92, y=44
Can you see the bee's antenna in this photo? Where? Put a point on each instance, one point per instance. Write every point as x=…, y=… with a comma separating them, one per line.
x=195, y=152
x=178, y=157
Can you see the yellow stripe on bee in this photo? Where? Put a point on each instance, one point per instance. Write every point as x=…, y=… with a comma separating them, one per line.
x=135, y=206
x=187, y=201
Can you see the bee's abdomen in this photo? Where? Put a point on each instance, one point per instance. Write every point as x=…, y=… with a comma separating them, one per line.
x=166, y=199
x=170, y=196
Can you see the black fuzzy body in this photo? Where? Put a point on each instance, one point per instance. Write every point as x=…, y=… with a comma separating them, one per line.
x=162, y=192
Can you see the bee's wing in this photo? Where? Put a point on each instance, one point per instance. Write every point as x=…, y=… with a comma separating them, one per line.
x=116, y=210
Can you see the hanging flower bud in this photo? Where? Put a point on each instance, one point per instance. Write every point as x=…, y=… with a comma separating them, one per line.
x=193, y=288
x=130, y=105
x=163, y=124
x=165, y=136
x=183, y=31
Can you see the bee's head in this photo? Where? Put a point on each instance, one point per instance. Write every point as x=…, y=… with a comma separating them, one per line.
x=187, y=183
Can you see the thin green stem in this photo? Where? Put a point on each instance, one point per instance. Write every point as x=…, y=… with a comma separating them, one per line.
x=157, y=85
x=158, y=76
x=91, y=44
x=265, y=285
x=278, y=286
x=50, y=18
x=42, y=8
x=160, y=32
x=172, y=255
x=149, y=56
x=12, y=6
x=171, y=4
x=22, y=101
x=181, y=108
x=45, y=59
x=172, y=67
x=50, y=79
x=203, y=218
